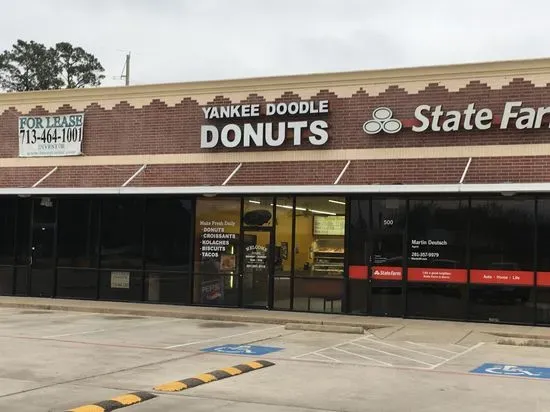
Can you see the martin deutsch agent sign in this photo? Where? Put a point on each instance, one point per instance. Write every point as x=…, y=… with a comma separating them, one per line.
x=272, y=133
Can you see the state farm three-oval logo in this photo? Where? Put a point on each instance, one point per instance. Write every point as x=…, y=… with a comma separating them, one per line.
x=382, y=120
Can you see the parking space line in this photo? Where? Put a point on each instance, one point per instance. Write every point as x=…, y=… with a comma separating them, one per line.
x=362, y=356
x=393, y=354
x=325, y=356
x=222, y=337
x=74, y=333
x=87, y=332
x=422, y=345
x=408, y=350
x=471, y=348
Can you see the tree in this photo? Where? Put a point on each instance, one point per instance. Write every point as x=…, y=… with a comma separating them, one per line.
x=33, y=66
x=29, y=66
x=78, y=68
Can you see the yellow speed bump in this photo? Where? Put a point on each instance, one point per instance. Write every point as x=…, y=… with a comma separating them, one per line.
x=115, y=403
x=216, y=375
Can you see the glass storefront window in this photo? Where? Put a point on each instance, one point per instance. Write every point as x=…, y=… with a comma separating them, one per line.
x=7, y=228
x=360, y=245
x=502, y=256
x=216, y=261
x=437, y=274
x=543, y=260
x=319, y=252
x=168, y=234
x=168, y=222
x=121, y=233
x=282, y=261
x=319, y=236
x=77, y=233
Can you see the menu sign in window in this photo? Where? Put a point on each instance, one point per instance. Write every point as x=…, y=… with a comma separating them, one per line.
x=216, y=238
x=329, y=225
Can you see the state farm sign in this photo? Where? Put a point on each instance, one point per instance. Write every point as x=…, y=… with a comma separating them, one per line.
x=436, y=119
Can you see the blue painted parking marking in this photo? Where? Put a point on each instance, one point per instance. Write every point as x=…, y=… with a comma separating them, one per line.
x=513, y=370
x=251, y=350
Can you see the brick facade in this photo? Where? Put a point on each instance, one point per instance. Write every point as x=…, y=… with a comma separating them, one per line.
x=171, y=126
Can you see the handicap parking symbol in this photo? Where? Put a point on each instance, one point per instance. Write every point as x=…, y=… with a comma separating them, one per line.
x=513, y=370
x=251, y=350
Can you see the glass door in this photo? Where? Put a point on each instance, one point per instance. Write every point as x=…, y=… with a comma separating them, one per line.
x=257, y=265
x=387, y=257
x=42, y=254
x=386, y=288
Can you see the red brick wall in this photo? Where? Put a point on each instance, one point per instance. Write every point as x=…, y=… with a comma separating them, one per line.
x=404, y=171
x=520, y=169
x=161, y=129
x=288, y=173
x=158, y=128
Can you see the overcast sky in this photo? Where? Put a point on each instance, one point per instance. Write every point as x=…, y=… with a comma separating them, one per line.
x=184, y=40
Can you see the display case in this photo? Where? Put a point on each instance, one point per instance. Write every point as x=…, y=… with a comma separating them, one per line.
x=328, y=256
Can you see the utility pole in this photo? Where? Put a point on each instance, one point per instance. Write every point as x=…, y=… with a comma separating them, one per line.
x=126, y=70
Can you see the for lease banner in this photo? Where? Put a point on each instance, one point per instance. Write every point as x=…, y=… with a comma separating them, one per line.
x=57, y=135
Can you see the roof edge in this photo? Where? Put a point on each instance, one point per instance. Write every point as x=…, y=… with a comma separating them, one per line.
x=296, y=82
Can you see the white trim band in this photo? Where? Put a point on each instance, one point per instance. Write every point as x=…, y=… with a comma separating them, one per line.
x=495, y=188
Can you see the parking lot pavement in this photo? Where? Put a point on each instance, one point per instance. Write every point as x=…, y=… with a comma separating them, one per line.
x=56, y=361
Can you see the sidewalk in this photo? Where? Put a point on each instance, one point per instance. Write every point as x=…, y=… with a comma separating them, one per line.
x=405, y=327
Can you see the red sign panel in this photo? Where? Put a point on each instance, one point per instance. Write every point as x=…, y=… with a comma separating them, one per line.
x=358, y=272
x=502, y=277
x=387, y=273
x=543, y=278
x=437, y=275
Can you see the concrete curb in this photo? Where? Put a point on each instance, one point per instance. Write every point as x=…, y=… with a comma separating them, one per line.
x=539, y=343
x=519, y=335
x=358, y=330
x=177, y=312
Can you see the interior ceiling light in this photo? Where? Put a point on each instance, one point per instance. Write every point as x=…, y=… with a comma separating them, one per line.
x=338, y=202
x=322, y=212
x=255, y=201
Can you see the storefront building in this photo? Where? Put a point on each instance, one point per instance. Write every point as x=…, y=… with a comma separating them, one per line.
x=419, y=192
